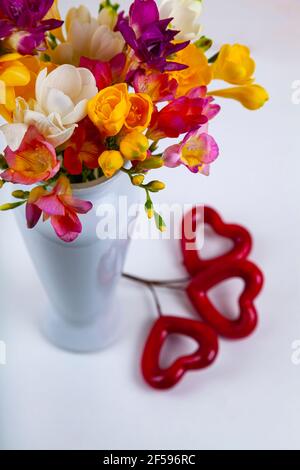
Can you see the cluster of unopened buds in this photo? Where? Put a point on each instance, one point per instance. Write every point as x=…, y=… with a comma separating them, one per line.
x=91, y=96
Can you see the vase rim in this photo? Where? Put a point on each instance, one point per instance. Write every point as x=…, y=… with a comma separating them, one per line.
x=80, y=187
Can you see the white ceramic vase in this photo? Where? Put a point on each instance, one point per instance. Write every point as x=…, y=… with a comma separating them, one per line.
x=80, y=278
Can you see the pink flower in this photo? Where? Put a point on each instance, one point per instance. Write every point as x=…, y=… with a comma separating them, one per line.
x=33, y=162
x=60, y=207
x=209, y=108
x=196, y=152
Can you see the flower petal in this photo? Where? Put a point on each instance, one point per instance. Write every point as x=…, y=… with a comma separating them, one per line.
x=14, y=134
x=58, y=102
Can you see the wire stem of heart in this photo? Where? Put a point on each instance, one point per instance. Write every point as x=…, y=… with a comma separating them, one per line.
x=178, y=284
x=168, y=283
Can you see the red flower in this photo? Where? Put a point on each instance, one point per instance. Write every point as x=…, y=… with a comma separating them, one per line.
x=178, y=117
x=85, y=147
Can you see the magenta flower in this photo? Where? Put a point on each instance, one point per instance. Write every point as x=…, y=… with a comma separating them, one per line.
x=25, y=17
x=105, y=73
x=60, y=206
x=149, y=37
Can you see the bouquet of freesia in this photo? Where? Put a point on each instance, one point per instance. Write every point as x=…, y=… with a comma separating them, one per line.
x=92, y=96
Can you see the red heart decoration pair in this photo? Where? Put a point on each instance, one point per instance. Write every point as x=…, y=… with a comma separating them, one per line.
x=202, y=357
x=207, y=274
x=241, y=238
x=247, y=321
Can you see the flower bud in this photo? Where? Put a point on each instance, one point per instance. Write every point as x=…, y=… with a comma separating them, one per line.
x=19, y=194
x=11, y=205
x=155, y=186
x=137, y=180
x=110, y=162
x=151, y=163
x=134, y=146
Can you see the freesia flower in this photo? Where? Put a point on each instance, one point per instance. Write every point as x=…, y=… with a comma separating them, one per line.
x=105, y=73
x=33, y=162
x=196, y=152
x=17, y=72
x=110, y=161
x=60, y=207
x=84, y=148
x=198, y=72
x=61, y=102
x=150, y=38
x=234, y=65
x=23, y=26
x=210, y=108
x=12, y=74
x=185, y=16
x=88, y=37
x=182, y=115
x=109, y=109
x=251, y=97
x=140, y=112
x=134, y=146
x=160, y=86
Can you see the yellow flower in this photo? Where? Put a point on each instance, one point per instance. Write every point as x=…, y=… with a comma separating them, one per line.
x=22, y=71
x=109, y=109
x=12, y=74
x=251, y=96
x=234, y=65
x=110, y=161
x=134, y=146
x=198, y=72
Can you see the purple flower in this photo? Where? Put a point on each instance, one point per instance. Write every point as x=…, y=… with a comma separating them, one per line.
x=25, y=17
x=149, y=37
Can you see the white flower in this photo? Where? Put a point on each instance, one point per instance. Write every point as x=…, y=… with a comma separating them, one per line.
x=61, y=102
x=186, y=14
x=89, y=37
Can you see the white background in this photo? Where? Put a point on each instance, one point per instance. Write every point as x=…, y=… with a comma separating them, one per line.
x=250, y=397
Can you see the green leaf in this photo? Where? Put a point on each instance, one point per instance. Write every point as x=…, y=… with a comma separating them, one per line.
x=213, y=58
x=11, y=205
x=3, y=164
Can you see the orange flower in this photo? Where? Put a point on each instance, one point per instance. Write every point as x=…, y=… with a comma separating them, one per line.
x=33, y=162
x=198, y=72
x=140, y=113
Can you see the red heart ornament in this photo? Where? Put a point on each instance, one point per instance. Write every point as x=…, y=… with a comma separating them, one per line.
x=204, y=356
x=200, y=285
x=191, y=258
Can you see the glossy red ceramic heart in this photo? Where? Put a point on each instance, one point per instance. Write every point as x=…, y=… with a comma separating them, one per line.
x=192, y=260
x=205, y=354
x=204, y=281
